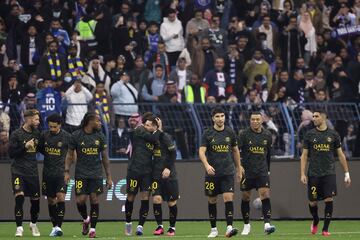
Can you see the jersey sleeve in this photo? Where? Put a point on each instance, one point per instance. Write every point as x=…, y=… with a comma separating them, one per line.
x=306, y=141
x=204, y=140
x=16, y=149
x=337, y=141
x=103, y=143
x=241, y=139
x=72, y=142
x=234, y=141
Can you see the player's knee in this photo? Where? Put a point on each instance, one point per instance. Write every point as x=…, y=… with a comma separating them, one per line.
x=51, y=201
x=172, y=203
x=81, y=199
x=245, y=196
x=228, y=197
x=313, y=203
x=144, y=195
x=264, y=194
x=34, y=199
x=94, y=199
x=157, y=199
x=19, y=194
x=130, y=197
x=212, y=200
x=329, y=199
x=60, y=197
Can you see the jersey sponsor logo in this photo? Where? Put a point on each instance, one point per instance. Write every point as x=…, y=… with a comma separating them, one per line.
x=220, y=148
x=257, y=150
x=90, y=151
x=150, y=146
x=53, y=151
x=157, y=153
x=322, y=147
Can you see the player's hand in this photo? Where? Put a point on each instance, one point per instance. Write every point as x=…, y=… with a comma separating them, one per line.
x=210, y=170
x=30, y=144
x=347, y=179
x=303, y=179
x=166, y=173
x=238, y=176
x=66, y=178
x=159, y=122
x=109, y=183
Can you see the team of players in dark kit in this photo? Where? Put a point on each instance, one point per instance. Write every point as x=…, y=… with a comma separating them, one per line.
x=151, y=170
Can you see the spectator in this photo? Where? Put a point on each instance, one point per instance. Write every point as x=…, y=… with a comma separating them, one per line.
x=139, y=75
x=344, y=18
x=295, y=87
x=204, y=55
x=152, y=41
x=125, y=97
x=307, y=27
x=77, y=97
x=194, y=92
x=96, y=74
x=86, y=28
x=30, y=43
x=102, y=15
x=52, y=65
x=292, y=41
x=270, y=31
x=234, y=68
x=257, y=66
x=180, y=75
x=218, y=37
x=321, y=96
x=4, y=145
x=171, y=31
x=154, y=86
x=4, y=120
x=3, y=34
x=13, y=69
x=170, y=93
x=217, y=82
x=160, y=57
x=120, y=139
x=197, y=24
x=74, y=63
x=60, y=34
x=102, y=103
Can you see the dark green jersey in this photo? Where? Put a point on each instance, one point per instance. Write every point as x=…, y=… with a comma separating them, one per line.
x=255, y=152
x=24, y=160
x=219, y=146
x=54, y=147
x=88, y=148
x=321, y=146
x=164, y=157
x=140, y=162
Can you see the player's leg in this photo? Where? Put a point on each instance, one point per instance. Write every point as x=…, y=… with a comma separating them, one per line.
x=132, y=187
x=81, y=199
x=60, y=212
x=264, y=193
x=95, y=188
x=18, y=189
x=313, y=195
x=145, y=187
x=328, y=187
x=245, y=211
x=211, y=191
x=227, y=189
x=157, y=200
x=32, y=185
x=52, y=212
x=171, y=195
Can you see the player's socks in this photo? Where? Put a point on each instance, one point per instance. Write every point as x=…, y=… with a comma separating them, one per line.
x=245, y=211
x=94, y=214
x=328, y=215
x=229, y=213
x=19, y=213
x=158, y=213
x=266, y=209
x=144, y=210
x=34, y=210
x=128, y=210
x=60, y=212
x=212, y=214
x=52, y=214
x=173, y=215
x=314, y=214
x=82, y=210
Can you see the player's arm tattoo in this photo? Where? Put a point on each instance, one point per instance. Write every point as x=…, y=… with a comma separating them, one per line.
x=106, y=162
x=303, y=161
x=342, y=159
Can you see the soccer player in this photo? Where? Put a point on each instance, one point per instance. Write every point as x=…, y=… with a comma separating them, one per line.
x=165, y=184
x=54, y=145
x=139, y=172
x=319, y=145
x=255, y=146
x=88, y=143
x=220, y=156
x=25, y=177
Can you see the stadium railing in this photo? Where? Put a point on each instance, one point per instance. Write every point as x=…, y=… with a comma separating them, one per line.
x=186, y=122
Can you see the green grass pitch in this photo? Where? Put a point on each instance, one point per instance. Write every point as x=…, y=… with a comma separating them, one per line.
x=288, y=230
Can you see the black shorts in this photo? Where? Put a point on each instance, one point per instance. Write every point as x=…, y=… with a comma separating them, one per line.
x=320, y=188
x=247, y=184
x=85, y=186
x=133, y=184
x=218, y=185
x=29, y=185
x=167, y=189
x=53, y=185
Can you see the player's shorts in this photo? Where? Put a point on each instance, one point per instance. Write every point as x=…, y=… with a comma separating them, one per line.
x=167, y=189
x=30, y=185
x=247, y=184
x=85, y=186
x=320, y=188
x=133, y=184
x=218, y=185
x=52, y=185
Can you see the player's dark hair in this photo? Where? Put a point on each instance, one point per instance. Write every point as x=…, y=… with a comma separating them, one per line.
x=321, y=111
x=255, y=113
x=55, y=117
x=146, y=116
x=217, y=110
x=87, y=118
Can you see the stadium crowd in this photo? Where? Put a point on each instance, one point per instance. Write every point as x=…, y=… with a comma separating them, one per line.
x=101, y=54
